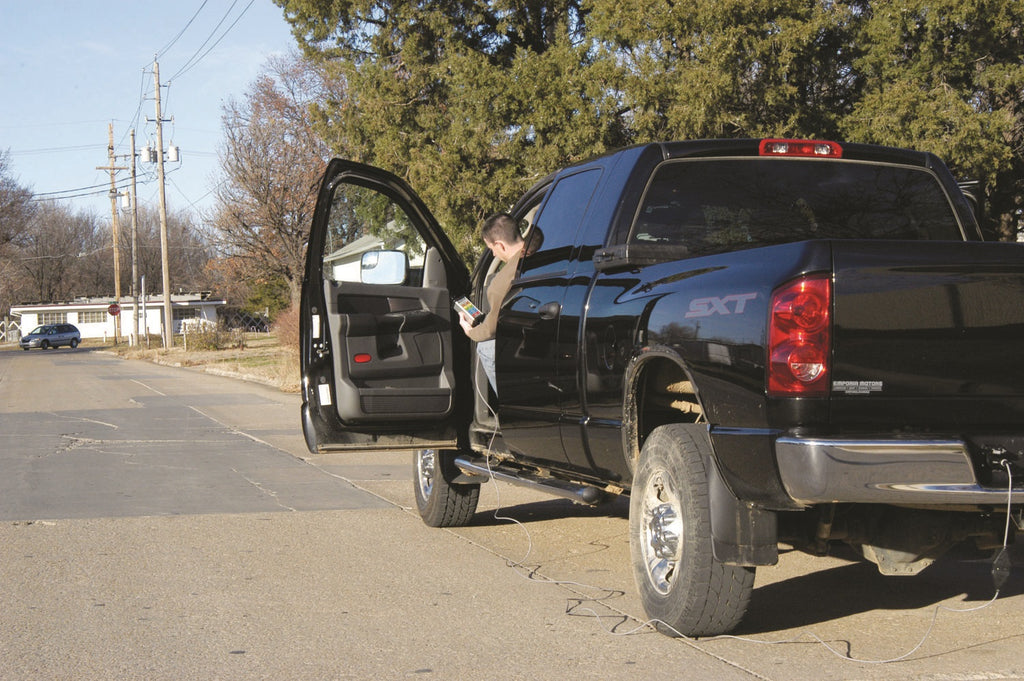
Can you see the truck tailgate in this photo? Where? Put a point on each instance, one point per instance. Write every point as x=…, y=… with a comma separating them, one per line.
x=928, y=334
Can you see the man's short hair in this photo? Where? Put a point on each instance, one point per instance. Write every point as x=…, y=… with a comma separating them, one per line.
x=500, y=227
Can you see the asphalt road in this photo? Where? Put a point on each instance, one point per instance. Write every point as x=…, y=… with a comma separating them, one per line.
x=161, y=523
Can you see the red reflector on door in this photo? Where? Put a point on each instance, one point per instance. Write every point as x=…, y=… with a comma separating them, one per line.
x=362, y=358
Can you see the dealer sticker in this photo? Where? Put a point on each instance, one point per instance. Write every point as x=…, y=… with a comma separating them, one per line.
x=857, y=387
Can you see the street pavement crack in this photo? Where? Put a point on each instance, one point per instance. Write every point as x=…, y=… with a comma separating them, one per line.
x=84, y=419
x=258, y=485
x=72, y=442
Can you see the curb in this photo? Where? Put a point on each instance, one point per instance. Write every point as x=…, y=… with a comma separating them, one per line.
x=224, y=373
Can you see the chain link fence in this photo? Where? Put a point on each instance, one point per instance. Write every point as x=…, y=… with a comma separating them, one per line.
x=10, y=331
x=233, y=318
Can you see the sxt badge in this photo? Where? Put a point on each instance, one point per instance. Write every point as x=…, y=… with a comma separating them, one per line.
x=705, y=307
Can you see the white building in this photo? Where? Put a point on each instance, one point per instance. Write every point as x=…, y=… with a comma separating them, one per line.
x=93, y=316
x=344, y=263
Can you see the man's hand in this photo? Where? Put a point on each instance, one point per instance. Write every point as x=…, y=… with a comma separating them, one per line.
x=465, y=322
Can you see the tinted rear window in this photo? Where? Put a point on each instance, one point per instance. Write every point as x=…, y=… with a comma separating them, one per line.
x=717, y=205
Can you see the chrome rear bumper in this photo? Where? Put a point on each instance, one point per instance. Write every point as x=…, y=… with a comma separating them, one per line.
x=922, y=472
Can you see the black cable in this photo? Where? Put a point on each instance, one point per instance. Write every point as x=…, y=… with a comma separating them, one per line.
x=169, y=45
x=95, y=190
x=194, y=60
x=1001, y=562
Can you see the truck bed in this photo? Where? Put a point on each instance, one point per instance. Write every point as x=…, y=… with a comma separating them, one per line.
x=927, y=335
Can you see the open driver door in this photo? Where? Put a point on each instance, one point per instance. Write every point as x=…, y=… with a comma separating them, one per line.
x=378, y=351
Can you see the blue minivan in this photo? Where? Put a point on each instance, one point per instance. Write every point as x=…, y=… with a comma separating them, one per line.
x=51, y=336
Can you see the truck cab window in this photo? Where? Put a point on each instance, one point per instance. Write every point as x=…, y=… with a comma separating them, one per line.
x=721, y=205
x=364, y=220
x=560, y=216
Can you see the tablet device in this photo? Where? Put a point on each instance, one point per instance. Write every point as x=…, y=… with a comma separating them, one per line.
x=465, y=305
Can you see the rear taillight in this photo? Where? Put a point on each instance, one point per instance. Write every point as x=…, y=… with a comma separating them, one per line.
x=804, y=148
x=799, y=338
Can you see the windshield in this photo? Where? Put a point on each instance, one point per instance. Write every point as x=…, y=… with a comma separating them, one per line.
x=717, y=205
x=37, y=331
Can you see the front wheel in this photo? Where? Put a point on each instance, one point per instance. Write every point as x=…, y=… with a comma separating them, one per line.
x=441, y=502
x=45, y=345
x=682, y=586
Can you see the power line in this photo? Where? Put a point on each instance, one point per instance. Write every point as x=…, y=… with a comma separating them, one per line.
x=201, y=52
x=78, y=189
x=198, y=49
x=55, y=124
x=138, y=110
x=193, y=61
x=54, y=150
x=142, y=85
x=169, y=45
x=89, y=190
x=51, y=196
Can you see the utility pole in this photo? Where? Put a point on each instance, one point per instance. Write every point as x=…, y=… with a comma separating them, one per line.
x=115, y=226
x=135, y=244
x=168, y=313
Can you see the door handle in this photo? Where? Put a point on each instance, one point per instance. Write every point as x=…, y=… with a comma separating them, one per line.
x=549, y=310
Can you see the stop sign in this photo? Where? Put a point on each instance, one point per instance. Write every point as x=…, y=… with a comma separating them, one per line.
x=114, y=310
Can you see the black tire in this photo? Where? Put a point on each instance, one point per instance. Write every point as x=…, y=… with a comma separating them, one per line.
x=45, y=345
x=441, y=502
x=74, y=343
x=682, y=587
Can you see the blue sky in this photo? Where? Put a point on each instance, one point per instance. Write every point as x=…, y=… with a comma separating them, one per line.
x=69, y=68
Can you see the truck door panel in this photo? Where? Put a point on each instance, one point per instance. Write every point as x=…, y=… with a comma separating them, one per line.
x=376, y=337
x=384, y=335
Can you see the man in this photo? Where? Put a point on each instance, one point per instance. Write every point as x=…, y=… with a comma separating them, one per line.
x=501, y=235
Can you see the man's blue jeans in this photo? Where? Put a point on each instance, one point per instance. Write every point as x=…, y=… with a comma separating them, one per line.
x=485, y=351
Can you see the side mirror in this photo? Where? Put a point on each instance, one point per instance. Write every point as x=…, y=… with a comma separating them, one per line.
x=384, y=267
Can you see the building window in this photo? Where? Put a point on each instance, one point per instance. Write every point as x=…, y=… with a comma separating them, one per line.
x=53, y=317
x=92, y=317
x=185, y=313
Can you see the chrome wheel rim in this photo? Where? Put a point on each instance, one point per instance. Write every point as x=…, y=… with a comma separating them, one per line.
x=661, y=544
x=426, y=468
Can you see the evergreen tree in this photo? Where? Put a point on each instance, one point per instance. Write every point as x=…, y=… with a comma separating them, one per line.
x=731, y=68
x=472, y=101
x=947, y=76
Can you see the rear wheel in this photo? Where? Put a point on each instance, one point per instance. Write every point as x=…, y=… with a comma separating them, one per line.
x=74, y=343
x=441, y=502
x=682, y=586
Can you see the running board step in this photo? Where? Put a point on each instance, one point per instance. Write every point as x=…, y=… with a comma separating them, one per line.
x=476, y=467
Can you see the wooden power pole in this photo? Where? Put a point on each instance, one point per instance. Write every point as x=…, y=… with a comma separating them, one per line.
x=115, y=226
x=165, y=267
x=135, y=245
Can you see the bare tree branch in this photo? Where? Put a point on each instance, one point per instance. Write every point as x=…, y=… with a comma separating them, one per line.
x=272, y=162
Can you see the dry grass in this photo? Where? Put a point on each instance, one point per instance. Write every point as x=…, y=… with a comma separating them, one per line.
x=259, y=357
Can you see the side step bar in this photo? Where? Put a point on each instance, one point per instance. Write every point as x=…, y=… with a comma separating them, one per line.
x=476, y=467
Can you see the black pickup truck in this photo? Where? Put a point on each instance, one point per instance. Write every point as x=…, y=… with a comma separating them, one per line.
x=758, y=341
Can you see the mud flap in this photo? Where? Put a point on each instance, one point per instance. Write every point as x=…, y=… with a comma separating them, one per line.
x=740, y=534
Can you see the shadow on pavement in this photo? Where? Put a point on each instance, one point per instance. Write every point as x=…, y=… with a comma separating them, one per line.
x=552, y=509
x=858, y=587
